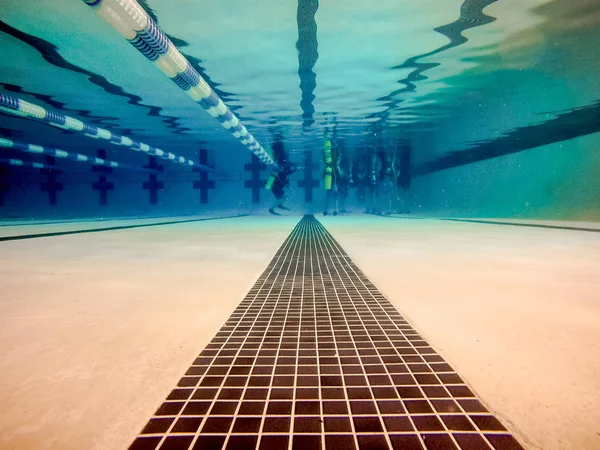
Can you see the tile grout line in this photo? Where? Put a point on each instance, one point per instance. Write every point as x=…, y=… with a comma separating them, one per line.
x=287, y=242
x=354, y=269
x=379, y=356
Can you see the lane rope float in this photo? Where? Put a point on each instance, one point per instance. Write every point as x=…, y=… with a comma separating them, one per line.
x=19, y=107
x=21, y=163
x=130, y=20
x=58, y=153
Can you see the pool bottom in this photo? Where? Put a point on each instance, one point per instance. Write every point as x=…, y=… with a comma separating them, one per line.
x=118, y=317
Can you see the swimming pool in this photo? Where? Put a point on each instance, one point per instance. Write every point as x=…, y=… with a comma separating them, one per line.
x=303, y=224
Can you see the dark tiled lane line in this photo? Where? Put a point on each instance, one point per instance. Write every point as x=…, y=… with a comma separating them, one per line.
x=528, y=225
x=114, y=228
x=315, y=357
x=497, y=222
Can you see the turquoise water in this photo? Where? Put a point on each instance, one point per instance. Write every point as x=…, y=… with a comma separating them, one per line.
x=479, y=108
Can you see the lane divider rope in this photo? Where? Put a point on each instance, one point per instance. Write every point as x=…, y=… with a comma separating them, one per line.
x=58, y=153
x=19, y=107
x=20, y=162
x=129, y=19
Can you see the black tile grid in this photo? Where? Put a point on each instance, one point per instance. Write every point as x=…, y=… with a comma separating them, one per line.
x=315, y=357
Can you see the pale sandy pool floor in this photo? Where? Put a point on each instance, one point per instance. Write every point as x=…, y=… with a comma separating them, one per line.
x=96, y=329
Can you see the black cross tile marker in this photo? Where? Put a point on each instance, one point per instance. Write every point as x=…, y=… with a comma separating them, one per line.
x=153, y=185
x=204, y=184
x=103, y=185
x=256, y=184
x=4, y=185
x=308, y=183
x=51, y=185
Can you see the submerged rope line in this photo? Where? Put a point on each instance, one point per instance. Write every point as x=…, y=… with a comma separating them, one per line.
x=20, y=162
x=58, y=153
x=21, y=108
x=133, y=23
